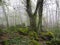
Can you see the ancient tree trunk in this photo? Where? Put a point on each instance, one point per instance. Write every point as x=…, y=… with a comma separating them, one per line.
x=33, y=16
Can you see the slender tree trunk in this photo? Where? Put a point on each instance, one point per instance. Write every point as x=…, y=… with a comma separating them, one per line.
x=5, y=14
x=40, y=10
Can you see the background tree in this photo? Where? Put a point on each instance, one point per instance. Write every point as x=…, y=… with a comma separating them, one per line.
x=3, y=6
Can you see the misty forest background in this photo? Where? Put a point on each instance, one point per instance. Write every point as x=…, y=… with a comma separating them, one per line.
x=29, y=22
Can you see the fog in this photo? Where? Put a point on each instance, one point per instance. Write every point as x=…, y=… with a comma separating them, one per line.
x=16, y=12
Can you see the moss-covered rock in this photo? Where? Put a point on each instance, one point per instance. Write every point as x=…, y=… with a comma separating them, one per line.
x=33, y=35
x=47, y=35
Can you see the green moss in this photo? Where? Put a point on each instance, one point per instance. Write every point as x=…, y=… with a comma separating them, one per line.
x=34, y=42
x=53, y=42
x=6, y=42
x=48, y=43
x=23, y=30
x=33, y=34
x=47, y=33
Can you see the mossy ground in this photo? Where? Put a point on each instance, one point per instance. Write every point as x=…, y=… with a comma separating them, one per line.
x=17, y=35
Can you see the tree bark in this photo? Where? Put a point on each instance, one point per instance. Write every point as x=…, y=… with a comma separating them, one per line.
x=33, y=16
x=40, y=10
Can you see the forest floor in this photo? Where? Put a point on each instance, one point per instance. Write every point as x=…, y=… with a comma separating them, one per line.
x=22, y=36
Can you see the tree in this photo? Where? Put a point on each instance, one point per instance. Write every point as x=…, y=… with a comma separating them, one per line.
x=32, y=17
x=40, y=9
x=5, y=13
